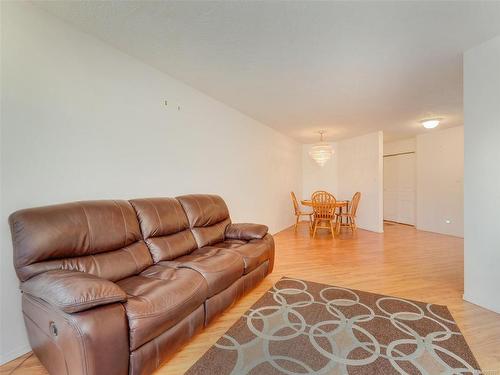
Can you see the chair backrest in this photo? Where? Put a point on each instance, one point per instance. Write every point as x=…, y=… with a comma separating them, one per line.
x=355, y=203
x=323, y=204
x=295, y=203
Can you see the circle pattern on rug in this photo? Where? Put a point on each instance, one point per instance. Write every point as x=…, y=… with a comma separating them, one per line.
x=301, y=327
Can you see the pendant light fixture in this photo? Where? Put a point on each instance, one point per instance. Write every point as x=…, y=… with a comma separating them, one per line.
x=322, y=151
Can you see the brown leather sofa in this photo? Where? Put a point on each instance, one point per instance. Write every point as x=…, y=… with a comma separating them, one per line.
x=114, y=287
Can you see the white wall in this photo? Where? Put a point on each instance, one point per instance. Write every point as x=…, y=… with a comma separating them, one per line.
x=482, y=177
x=440, y=160
x=316, y=178
x=360, y=168
x=81, y=120
x=402, y=145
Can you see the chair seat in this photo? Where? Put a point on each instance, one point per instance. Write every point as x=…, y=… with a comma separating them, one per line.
x=305, y=212
x=159, y=298
x=220, y=267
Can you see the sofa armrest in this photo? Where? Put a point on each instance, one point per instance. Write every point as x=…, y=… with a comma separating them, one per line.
x=246, y=231
x=73, y=291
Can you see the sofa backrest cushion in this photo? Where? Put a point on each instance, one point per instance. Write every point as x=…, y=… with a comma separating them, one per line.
x=165, y=227
x=102, y=238
x=208, y=217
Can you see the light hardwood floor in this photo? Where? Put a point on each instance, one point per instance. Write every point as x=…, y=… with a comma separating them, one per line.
x=401, y=262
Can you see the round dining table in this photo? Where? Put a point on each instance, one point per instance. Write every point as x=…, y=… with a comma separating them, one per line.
x=341, y=205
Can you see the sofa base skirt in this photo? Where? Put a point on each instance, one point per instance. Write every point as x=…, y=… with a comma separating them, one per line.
x=223, y=300
x=147, y=358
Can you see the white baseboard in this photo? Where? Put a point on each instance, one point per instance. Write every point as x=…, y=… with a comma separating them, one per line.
x=370, y=229
x=488, y=305
x=13, y=354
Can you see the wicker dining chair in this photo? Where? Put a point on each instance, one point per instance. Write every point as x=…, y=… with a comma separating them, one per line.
x=299, y=213
x=350, y=215
x=324, y=205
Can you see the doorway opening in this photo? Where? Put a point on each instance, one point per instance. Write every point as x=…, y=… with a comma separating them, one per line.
x=400, y=188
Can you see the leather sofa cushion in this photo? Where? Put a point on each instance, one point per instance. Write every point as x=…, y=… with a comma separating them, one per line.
x=172, y=246
x=165, y=227
x=160, y=216
x=254, y=253
x=146, y=359
x=73, y=291
x=208, y=217
x=229, y=244
x=71, y=230
x=219, y=267
x=158, y=299
x=246, y=231
x=203, y=210
x=132, y=259
x=207, y=236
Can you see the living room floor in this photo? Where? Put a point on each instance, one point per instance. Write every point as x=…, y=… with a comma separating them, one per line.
x=402, y=262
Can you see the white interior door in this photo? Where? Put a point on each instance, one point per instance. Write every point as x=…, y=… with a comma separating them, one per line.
x=399, y=188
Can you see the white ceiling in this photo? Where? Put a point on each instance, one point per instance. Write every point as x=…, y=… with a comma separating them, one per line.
x=347, y=67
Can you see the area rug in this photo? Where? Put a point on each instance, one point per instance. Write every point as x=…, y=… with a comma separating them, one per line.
x=302, y=327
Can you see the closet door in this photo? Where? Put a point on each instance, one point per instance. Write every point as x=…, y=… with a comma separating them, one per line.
x=399, y=188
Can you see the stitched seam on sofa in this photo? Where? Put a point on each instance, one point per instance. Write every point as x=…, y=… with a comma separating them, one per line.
x=128, y=251
x=157, y=352
x=158, y=313
x=98, y=268
x=154, y=278
x=186, y=234
x=124, y=223
x=187, y=265
x=210, y=198
x=160, y=222
x=61, y=306
x=194, y=268
x=95, y=302
x=88, y=226
x=202, y=212
x=169, y=248
x=72, y=322
x=214, y=201
x=176, y=208
x=245, y=258
x=250, y=256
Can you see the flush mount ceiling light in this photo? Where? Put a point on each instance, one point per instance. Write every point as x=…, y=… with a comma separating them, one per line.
x=430, y=123
x=322, y=151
